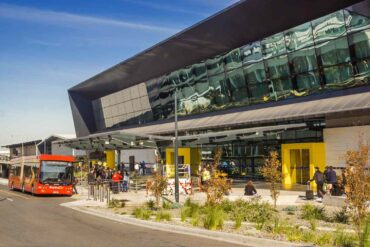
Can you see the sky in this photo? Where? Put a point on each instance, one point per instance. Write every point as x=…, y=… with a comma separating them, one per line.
x=48, y=46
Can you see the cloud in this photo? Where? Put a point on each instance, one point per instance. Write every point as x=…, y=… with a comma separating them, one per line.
x=166, y=7
x=64, y=18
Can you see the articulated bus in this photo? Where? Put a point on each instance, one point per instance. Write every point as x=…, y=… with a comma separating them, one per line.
x=42, y=175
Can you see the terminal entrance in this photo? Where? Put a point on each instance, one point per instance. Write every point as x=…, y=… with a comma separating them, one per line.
x=300, y=162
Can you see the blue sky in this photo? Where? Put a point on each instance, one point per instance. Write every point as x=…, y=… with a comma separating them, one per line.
x=47, y=46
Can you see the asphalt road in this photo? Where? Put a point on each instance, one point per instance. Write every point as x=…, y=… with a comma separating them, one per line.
x=40, y=221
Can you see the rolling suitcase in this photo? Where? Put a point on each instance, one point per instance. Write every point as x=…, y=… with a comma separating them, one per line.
x=309, y=192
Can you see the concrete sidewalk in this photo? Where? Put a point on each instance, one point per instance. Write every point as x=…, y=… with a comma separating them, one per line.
x=138, y=198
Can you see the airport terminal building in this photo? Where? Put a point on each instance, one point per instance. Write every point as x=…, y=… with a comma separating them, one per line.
x=261, y=75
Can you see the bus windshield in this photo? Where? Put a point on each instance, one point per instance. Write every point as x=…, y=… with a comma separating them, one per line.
x=56, y=172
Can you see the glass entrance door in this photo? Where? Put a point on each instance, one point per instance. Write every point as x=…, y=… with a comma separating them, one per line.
x=300, y=164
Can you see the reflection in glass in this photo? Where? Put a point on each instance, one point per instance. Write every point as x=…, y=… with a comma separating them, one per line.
x=363, y=68
x=282, y=87
x=215, y=65
x=329, y=27
x=308, y=81
x=219, y=90
x=338, y=76
x=273, y=45
x=333, y=52
x=252, y=53
x=187, y=97
x=303, y=60
x=259, y=92
x=299, y=37
x=255, y=73
x=233, y=59
x=185, y=76
x=278, y=67
x=360, y=44
x=356, y=22
x=237, y=86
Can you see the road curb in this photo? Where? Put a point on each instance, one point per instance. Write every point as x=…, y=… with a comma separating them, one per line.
x=219, y=236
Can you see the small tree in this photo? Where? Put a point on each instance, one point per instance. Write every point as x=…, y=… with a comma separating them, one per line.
x=157, y=185
x=216, y=189
x=357, y=186
x=272, y=172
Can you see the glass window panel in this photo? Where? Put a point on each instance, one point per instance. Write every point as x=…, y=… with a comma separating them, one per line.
x=356, y=22
x=278, y=67
x=219, y=89
x=299, y=37
x=252, y=53
x=338, y=75
x=329, y=27
x=360, y=44
x=215, y=65
x=174, y=78
x=255, y=73
x=233, y=59
x=273, y=45
x=185, y=76
x=303, y=60
x=237, y=85
x=363, y=67
x=334, y=52
x=282, y=87
x=259, y=92
x=307, y=81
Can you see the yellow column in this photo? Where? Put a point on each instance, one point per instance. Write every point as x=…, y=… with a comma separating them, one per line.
x=110, y=158
x=191, y=156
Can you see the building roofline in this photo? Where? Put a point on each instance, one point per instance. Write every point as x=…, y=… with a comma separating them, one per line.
x=213, y=36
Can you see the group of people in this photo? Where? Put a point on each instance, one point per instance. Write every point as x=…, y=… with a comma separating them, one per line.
x=119, y=180
x=140, y=168
x=326, y=182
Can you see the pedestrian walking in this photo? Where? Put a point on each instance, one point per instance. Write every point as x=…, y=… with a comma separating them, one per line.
x=126, y=181
x=75, y=181
x=318, y=177
x=136, y=168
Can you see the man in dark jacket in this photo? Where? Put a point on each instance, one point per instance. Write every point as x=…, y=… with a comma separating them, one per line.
x=318, y=177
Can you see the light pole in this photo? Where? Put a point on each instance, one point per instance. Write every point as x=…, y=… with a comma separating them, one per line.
x=177, y=195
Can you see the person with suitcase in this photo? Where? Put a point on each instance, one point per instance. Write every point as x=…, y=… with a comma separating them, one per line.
x=318, y=177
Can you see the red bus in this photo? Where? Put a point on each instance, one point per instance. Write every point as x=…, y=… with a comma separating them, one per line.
x=42, y=175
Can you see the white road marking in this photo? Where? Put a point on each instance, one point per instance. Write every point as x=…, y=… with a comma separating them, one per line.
x=9, y=199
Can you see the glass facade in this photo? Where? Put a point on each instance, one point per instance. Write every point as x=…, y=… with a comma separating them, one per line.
x=329, y=53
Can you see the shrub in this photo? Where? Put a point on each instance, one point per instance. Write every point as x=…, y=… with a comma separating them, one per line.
x=312, y=212
x=341, y=216
x=151, y=205
x=142, y=213
x=162, y=215
x=308, y=236
x=167, y=205
x=366, y=233
x=227, y=206
x=214, y=218
x=191, y=210
x=290, y=210
x=344, y=239
x=323, y=239
x=114, y=203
